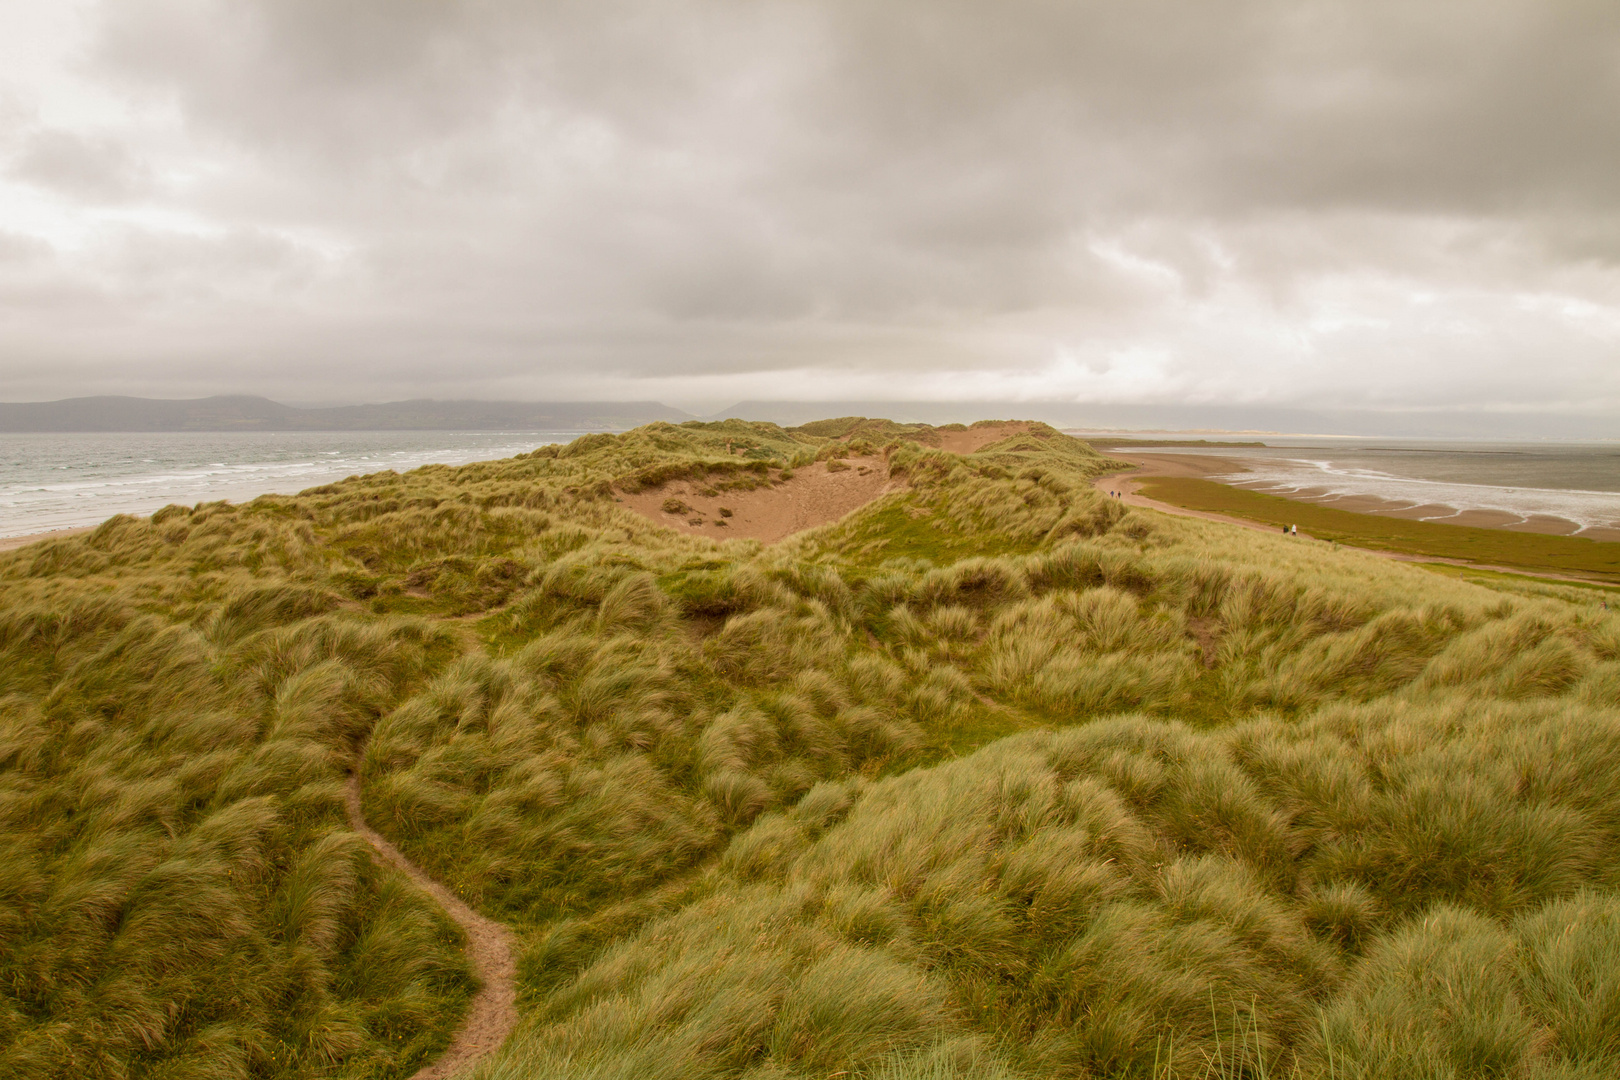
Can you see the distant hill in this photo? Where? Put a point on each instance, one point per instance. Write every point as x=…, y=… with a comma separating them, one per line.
x=246, y=413
x=1127, y=420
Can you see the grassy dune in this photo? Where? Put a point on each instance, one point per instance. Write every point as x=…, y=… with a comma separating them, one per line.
x=993, y=778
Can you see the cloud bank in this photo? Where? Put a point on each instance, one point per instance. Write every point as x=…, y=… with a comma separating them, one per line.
x=1378, y=205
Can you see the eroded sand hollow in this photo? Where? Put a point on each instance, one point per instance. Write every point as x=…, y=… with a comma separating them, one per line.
x=815, y=495
x=979, y=436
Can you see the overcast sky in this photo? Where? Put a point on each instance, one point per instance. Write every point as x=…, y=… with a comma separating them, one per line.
x=1402, y=204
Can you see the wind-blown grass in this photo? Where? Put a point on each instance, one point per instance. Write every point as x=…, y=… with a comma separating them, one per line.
x=179, y=886
x=993, y=777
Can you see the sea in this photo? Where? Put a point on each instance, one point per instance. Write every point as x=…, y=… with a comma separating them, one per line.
x=1578, y=482
x=70, y=480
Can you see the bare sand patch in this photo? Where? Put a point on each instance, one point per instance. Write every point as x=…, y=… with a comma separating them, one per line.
x=815, y=495
x=981, y=435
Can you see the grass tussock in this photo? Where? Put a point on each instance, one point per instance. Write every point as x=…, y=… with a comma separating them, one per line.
x=1133, y=898
x=179, y=885
x=992, y=777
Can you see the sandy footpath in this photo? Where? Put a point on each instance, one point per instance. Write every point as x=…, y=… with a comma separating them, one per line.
x=490, y=948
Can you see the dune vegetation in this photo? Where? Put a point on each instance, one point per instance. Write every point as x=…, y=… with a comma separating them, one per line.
x=994, y=777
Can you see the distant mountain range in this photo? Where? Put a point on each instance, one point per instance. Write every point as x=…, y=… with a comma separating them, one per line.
x=245, y=413
x=248, y=413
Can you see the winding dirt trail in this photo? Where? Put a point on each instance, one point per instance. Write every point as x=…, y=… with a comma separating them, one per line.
x=489, y=946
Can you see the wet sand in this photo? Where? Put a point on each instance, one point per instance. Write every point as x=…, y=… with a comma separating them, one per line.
x=1123, y=487
x=1202, y=466
x=1196, y=465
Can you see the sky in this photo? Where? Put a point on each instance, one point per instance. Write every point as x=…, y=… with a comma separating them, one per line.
x=1370, y=204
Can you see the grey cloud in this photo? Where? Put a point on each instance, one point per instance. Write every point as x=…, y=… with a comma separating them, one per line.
x=87, y=168
x=1380, y=103
x=1266, y=199
x=17, y=250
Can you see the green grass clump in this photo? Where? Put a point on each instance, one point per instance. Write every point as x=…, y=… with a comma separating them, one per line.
x=993, y=777
x=1131, y=898
x=177, y=881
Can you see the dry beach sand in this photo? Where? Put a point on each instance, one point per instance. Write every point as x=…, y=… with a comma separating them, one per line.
x=814, y=496
x=11, y=543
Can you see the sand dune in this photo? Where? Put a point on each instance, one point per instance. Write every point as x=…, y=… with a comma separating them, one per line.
x=814, y=496
x=978, y=436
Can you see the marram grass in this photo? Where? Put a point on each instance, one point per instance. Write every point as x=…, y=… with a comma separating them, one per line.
x=992, y=778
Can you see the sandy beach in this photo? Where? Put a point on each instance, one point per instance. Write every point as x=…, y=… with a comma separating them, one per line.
x=1208, y=466
x=12, y=543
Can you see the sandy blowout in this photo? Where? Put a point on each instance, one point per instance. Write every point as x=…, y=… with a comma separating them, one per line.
x=978, y=436
x=813, y=496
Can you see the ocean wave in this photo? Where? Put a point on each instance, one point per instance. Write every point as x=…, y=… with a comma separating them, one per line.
x=68, y=481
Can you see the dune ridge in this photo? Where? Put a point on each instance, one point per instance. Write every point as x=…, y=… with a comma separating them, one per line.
x=990, y=775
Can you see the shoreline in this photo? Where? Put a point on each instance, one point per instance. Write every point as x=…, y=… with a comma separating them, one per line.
x=1568, y=559
x=12, y=543
x=1122, y=485
x=1207, y=467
